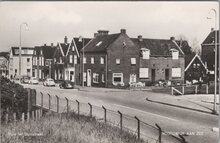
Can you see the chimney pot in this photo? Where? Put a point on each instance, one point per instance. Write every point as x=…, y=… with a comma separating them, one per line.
x=51, y=44
x=123, y=31
x=102, y=32
x=140, y=38
x=45, y=44
x=172, y=38
x=95, y=35
x=212, y=29
x=65, y=40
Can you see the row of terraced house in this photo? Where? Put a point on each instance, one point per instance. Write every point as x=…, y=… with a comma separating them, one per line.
x=109, y=60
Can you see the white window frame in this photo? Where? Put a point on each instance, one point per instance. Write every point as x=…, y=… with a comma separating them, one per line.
x=42, y=61
x=175, y=55
x=95, y=78
x=144, y=72
x=135, y=78
x=117, y=61
x=146, y=54
x=103, y=78
x=75, y=59
x=71, y=59
x=133, y=61
x=176, y=72
x=102, y=60
x=117, y=75
x=92, y=60
x=84, y=60
x=55, y=60
x=61, y=61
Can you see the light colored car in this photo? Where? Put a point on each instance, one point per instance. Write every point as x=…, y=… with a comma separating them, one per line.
x=33, y=80
x=49, y=82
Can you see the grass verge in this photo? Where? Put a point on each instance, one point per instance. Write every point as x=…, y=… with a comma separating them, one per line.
x=60, y=128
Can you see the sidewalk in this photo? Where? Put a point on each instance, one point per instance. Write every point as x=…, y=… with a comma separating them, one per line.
x=99, y=89
x=195, y=102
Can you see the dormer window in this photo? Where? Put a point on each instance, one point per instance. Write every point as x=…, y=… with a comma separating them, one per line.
x=175, y=54
x=60, y=59
x=41, y=52
x=73, y=48
x=99, y=43
x=145, y=53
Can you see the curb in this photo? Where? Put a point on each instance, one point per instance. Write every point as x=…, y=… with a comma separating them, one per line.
x=178, y=106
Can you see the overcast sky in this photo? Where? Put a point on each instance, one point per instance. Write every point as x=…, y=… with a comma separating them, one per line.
x=49, y=22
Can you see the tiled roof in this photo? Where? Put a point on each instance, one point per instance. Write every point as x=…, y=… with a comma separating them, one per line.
x=184, y=45
x=157, y=47
x=210, y=39
x=79, y=44
x=188, y=58
x=48, y=51
x=104, y=40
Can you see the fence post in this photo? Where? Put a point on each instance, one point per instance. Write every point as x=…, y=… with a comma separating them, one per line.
x=160, y=132
x=49, y=100
x=120, y=121
x=138, y=127
x=28, y=116
x=14, y=117
x=42, y=99
x=78, y=107
x=207, y=89
x=67, y=105
x=104, y=113
x=32, y=114
x=29, y=99
x=57, y=103
x=6, y=118
x=196, y=89
x=171, y=90
x=183, y=90
x=90, y=105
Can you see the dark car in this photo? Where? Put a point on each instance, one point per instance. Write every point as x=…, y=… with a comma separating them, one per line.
x=67, y=84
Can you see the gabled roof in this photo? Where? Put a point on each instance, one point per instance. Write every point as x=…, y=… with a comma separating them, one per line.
x=79, y=45
x=64, y=48
x=158, y=47
x=189, y=62
x=210, y=39
x=103, y=40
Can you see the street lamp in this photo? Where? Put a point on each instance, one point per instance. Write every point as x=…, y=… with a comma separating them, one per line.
x=81, y=39
x=26, y=26
x=214, y=106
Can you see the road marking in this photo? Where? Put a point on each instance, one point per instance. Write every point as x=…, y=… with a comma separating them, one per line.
x=145, y=112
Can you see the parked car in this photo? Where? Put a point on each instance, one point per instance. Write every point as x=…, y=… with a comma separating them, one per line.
x=25, y=79
x=33, y=80
x=49, y=82
x=67, y=84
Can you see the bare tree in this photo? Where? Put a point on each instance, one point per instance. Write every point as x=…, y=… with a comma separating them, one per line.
x=196, y=48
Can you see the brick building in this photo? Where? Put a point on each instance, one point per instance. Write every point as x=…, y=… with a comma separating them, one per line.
x=42, y=60
x=208, y=52
x=110, y=60
x=66, y=64
x=160, y=60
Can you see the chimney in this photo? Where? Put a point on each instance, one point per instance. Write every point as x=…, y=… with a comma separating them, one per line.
x=212, y=29
x=140, y=38
x=45, y=44
x=51, y=44
x=172, y=38
x=102, y=32
x=65, y=40
x=95, y=35
x=123, y=31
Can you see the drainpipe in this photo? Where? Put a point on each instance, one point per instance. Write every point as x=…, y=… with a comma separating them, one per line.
x=106, y=70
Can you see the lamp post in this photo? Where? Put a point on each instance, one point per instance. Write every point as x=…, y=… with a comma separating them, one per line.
x=215, y=90
x=26, y=25
x=81, y=39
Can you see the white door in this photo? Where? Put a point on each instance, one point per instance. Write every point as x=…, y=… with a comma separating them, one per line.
x=89, y=77
x=132, y=77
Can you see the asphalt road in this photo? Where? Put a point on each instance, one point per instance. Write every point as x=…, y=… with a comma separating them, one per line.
x=196, y=126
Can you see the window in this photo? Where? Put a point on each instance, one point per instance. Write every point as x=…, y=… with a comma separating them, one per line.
x=84, y=60
x=84, y=76
x=144, y=73
x=92, y=60
x=55, y=60
x=101, y=60
x=41, y=52
x=132, y=77
x=34, y=61
x=42, y=61
x=103, y=78
x=25, y=51
x=117, y=78
x=146, y=54
x=71, y=58
x=16, y=51
x=73, y=48
x=60, y=59
x=28, y=60
x=176, y=72
x=133, y=61
x=75, y=59
x=16, y=70
x=95, y=78
x=175, y=55
x=117, y=61
x=99, y=43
